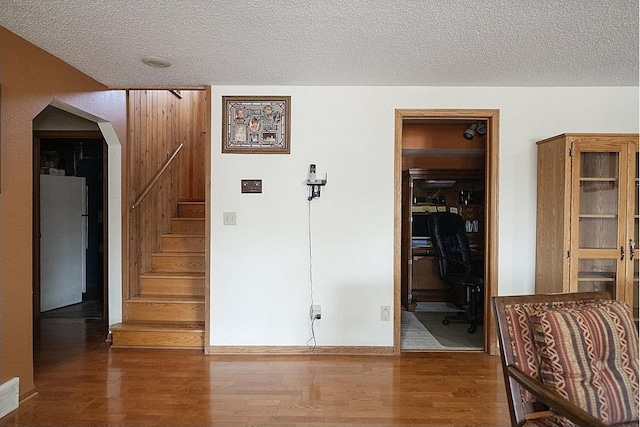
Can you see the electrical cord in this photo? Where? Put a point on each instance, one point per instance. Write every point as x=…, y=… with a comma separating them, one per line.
x=313, y=332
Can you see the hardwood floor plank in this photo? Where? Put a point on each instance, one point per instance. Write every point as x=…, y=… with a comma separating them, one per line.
x=83, y=382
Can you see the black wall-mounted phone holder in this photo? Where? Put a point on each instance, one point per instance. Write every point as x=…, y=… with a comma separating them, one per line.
x=315, y=184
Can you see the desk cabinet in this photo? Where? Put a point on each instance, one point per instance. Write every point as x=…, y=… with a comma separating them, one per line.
x=425, y=191
x=587, y=215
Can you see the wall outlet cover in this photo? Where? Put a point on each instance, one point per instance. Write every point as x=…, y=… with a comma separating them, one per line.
x=315, y=312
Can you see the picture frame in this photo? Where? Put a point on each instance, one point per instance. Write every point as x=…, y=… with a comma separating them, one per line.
x=256, y=124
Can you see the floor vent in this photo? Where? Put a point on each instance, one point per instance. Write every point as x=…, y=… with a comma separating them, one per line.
x=9, y=393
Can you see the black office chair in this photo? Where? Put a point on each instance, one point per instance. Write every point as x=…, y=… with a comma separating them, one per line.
x=456, y=267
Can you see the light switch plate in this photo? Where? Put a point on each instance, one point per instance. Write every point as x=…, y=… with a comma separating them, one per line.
x=228, y=218
x=251, y=186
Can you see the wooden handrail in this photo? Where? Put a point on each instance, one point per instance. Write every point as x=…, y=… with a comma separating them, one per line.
x=156, y=178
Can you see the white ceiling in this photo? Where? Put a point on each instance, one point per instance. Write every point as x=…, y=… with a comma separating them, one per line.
x=338, y=42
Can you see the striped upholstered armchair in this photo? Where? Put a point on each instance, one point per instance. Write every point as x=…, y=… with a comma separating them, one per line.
x=569, y=359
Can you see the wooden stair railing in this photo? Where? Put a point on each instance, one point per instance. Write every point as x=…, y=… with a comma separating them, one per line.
x=156, y=177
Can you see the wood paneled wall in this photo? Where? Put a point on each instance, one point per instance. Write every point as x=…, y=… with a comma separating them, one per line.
x=158, y=122
x=191, y=132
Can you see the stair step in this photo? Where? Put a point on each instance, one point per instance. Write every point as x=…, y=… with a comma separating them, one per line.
x=182, y=243
x=158, y=335
x=169, y=312
x=168, y=283
x=179, y=262
x=187, y=225
x=191, y=209
x=158, y=308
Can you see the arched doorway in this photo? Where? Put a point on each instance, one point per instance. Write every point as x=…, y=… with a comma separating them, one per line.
x=111, y=213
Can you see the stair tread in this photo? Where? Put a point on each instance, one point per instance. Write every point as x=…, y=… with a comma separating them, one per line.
x=158, y=326
x=176, y=253
x=172, y=290
x=168, y=298
x=174, y=274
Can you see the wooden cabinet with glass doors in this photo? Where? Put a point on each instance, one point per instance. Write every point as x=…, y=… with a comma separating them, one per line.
x=587, y=215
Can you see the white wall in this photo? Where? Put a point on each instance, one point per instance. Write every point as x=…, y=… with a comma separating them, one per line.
x=260, y=268
x=54, y=119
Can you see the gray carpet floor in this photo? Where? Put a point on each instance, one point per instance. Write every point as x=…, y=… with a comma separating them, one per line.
x=431, y=334
x=453, y=335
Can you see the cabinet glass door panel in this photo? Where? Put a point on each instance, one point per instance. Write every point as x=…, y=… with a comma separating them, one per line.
x=597, y=275
x=598, y=233
x=599, y=200
x=599, y=164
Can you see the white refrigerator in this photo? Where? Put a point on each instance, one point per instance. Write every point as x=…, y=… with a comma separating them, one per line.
x=63, y=240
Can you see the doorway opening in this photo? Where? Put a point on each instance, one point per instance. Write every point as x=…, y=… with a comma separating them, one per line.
x=446, y=164
x=69, y=219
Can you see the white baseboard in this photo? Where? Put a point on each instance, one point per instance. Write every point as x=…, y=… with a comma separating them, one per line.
x=9, y=396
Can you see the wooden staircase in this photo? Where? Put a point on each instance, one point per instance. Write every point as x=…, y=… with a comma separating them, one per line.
x=169, y=312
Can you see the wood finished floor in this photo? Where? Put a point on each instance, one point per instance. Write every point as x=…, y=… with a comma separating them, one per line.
x=82, y=382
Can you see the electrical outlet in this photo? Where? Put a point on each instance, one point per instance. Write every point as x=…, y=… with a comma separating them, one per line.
x=385, y=313
x=315, y=312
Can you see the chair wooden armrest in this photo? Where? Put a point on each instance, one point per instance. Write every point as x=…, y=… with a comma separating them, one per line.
x=553, y=399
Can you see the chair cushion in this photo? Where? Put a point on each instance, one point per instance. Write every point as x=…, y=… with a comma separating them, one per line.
x=521, y=336
x=589, y=354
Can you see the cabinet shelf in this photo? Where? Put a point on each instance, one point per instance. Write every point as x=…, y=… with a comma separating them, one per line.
x=599, y=216
x=590, y=179
x=590, y=276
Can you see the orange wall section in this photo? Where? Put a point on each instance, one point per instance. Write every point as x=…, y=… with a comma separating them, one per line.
x=31, y=79
x=425, y=136
x=447, y=135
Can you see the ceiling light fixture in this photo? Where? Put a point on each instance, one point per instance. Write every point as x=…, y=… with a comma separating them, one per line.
x=479, y=128
x=471, y=131
x=482, y=129
x=155, y=62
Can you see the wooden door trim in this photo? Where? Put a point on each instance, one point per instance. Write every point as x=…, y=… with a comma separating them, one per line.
x=492, y=117
x=35, y=234
x=207, y=219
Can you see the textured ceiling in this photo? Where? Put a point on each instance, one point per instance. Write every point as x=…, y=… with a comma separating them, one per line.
x=338, y=42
